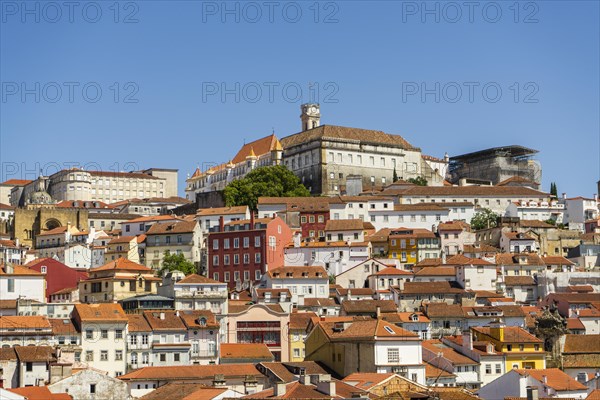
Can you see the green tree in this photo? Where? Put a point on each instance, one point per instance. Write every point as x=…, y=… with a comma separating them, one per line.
x=485, y=218
x=553, y=189
x=272, y=181
x=419, y=180
x=395, y=177
x=177, y=262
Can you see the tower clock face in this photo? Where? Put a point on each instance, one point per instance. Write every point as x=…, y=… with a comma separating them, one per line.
x=313, y=110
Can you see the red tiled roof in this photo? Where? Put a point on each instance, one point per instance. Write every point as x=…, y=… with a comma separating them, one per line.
x=258, y=147
x=16, y=182
x=39, y=393
x=555, y=378
x=185, y=372
x=122, y=264
x=195, y=278
x=222, y=211
x=100, y=312
x=246, y=350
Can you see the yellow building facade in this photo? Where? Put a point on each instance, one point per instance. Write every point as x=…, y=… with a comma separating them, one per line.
x=521, y=349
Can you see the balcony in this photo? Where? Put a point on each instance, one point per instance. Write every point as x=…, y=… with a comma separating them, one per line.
x=201, y=295
x=138, y=346
x=204, y=354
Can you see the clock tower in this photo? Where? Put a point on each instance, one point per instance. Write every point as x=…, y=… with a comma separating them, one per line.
x=311, y=116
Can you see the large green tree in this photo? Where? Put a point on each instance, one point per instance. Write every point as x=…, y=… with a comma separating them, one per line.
x=272, y=181
x=484, y=219
x=177, y=262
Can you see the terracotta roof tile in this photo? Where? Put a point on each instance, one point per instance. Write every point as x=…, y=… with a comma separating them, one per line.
x=582, y=344
x=512, y=334
x=324, y=132
x=24, y=322
x=246, y=350
x=344, y=225
x=184, y=391
x=16, y=182
x=199, y=319
x=368, y=306
x=122, y=264
x=392, y=271
x=320, y=302
x=222, y=211
x=195, y=278
x=298, y=272
x=40, y=393
x=191, y=372
x=520, y=280
x=100, y=312
x=164, y=320
x=164, y=228
x=555, y=378
x=35, y=353
x=63, y=326
x=300, y=320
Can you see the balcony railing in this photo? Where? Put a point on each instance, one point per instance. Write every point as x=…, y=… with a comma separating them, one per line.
x=200, y=295
x=204, y=354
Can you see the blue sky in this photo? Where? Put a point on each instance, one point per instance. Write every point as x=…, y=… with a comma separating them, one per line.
x=184, y=83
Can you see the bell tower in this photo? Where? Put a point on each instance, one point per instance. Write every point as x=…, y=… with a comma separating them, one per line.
x=311, y=116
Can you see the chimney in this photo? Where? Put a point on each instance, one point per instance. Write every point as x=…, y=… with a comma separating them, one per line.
x=280, y=389
x=326, y=385
x=17, y=242
x=282, y=297
x=177, y=313
x=9, y=268
x=564, y=196
x=532, y=393
x=297, y=239
x=545, y=379
x=303, y=376
x=378, y=312
x=221, y=223
x=401, y=285
x=252, y=220
x=467, y=340
x=162, y=315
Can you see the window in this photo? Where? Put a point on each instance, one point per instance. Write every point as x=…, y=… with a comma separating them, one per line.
x=104, y=355
x=119, y=334
x=509, y=347
x=498, y=368
x=118, y=355
x=236, y=243
x=225, y=243
x=488, y=368
x=537, y=347
x=521, y=347
x=215, y=244
x=246, y=258
x=215, y=260
x=236, y=259
x=11, y=285
x=226, y=259
x=163, y=357
x=257, y=258
x=216, y=276
x=92, y=388
x=246, y=242
x=393, y=355
x=29, y=366
x=104, y=333
x=176, y=357
x=77, y=356
x=89, y=334
x=89, y=356
x=257, y=241
x=257, y=275
x=144, y=339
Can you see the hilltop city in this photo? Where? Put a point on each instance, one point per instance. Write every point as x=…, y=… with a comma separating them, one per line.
x=330, y=263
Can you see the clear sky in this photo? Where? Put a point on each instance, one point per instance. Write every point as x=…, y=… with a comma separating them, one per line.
x=184, y=83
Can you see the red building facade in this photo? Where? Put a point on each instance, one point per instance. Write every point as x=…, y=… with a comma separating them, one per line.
x=242, y=251
x=58, y=275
